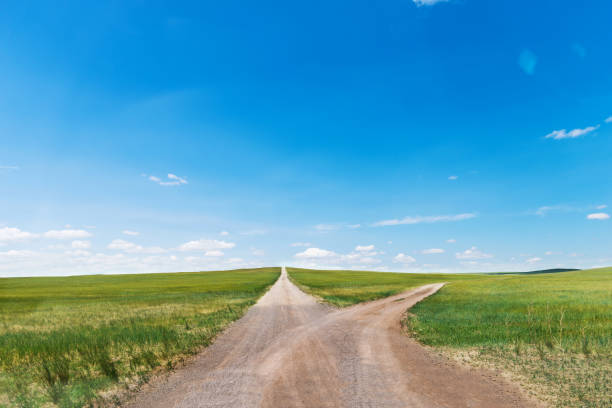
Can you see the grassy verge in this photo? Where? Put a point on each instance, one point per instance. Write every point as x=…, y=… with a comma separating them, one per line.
x=551, y=332
x=72, y=341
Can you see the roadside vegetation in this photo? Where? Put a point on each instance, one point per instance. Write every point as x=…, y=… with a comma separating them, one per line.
x=551, y=332
x=83, y=340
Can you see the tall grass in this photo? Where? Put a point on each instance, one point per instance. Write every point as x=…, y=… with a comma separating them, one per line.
x=553, y=331
x=71, y=341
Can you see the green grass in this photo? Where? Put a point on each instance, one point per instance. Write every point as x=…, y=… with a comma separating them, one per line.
x=551, y=331
x=71, y=341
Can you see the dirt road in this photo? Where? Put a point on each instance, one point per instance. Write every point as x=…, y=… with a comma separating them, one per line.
x=291, y=351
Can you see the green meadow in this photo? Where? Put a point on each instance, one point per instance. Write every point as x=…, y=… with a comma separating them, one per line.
x=551, y=332
x=83, y=340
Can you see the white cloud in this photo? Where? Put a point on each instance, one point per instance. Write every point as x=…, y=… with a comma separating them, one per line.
x=354, y=226
x=317, y=257
x=132, y=233
x=364, y=248
x=213, y=253
x=13, y=253
x=432, y=251
x=609, y=119
x=527, y=61
x=453, y=177
x=8, y=234
x=130, y=247
x=403, y=258
x=78, y=252
x=81, y=244
x=425, y=219
x=428, y=2
x=316, y=253
x=472, y=253
x=67, y=234
x=451, y=241
x=601, y=207
x=301, y=244
x=205, y=245
x=257, y=252
x=173, y=180
x=598, y=216
x=533, y=260
x=224, y=233
x=572, y=134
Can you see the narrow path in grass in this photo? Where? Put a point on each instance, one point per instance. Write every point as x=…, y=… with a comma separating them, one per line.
x=291, y=351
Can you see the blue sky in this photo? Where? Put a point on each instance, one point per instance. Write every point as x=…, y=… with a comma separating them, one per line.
x=460, y=135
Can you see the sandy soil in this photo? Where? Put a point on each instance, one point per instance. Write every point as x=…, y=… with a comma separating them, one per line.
x=291, y=351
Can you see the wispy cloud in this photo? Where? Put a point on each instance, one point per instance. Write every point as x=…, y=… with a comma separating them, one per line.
x=428, y=2
x=533, y=260
x=432, y=251
x=572, y=134
x=132, y=233
x=453, y=177
x=364, y=248
x=608, y=119
x=545, y=209
x=472, y=253
x=254, y=232
x=527, y=61
x=130, y=247
x=301, y=244
x=172, y=180
x=327, y=227
x=9, y=168
x=425, y=219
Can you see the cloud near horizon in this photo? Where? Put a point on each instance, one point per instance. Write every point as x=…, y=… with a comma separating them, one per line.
x=362, y=255
x=472, y=253
x=425, y=219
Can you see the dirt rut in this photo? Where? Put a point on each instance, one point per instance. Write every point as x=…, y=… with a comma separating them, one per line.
x=291, y=351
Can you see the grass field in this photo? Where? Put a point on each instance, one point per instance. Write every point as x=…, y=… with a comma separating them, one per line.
x=72, y=341
x=552, y=332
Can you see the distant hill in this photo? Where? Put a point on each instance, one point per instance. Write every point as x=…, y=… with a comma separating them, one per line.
x=542, y=271
x=553, y=270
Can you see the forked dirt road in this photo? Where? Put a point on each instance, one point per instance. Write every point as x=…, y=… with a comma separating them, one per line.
x=291, y=351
